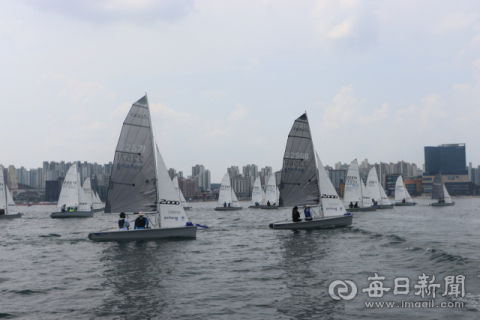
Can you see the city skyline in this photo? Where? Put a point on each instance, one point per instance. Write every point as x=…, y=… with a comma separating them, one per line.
x=377, y=79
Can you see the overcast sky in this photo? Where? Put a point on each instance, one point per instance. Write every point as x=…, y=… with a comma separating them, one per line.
x=226, y=79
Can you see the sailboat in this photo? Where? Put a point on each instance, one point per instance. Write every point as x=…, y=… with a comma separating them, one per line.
x=440, y=193
x=258, y=195
x=376, y=191
x=303, y=183
x=140, y=182
x=97, y=203
x=73, y=198
x=271, y=194
x=8, y=209
x=180, y=194
x=355, y=191
x=227, y=199
x=402, y=197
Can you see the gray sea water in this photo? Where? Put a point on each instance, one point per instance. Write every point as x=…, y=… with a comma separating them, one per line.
x=239, y=268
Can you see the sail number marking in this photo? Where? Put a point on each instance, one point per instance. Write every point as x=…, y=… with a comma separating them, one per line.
x=163, y=201
x=130, y=158
x=329, y=196
x=131, y=147
x=296, y=155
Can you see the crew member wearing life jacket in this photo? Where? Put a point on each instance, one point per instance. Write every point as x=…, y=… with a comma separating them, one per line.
x=141, y=222
x=308, y=215
x=123, y=223
x=295, y=215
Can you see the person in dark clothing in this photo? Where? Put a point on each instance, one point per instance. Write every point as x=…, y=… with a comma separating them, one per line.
x=64, y=208
x=350, y=205
x=256, y=204
x=403, y=201
x=268, y=203
x=225, y=204
x=356, y=205
x=123, y=223
x=2, y=212
x=141, y=222
x=296, y=215
x=229, y=204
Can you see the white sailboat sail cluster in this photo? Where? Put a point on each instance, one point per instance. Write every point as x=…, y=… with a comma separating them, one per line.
x=356, y=196
x=7, y=205
x=227, y=199
x=376, y=191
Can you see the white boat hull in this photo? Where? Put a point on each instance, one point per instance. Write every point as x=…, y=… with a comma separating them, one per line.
x=11, y=216
x=268, y=207
x=400, y=204
x=227, y=208
x=72, y=214
x=436, y=204
x=340, y=221
x=361, y=209
x=145, y=234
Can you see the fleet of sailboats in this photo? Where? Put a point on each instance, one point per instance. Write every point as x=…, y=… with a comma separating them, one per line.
x=227, y=199
x=140, y=183
x=402, y=196
x=304, y=182
x=440, y=193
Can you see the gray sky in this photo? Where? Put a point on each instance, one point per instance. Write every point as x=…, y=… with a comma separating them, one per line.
x=226, y=79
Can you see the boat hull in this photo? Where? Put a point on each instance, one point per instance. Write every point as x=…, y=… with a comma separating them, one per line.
x=254, y=207
x=338, y=222
x=145, y=234
x=72, y=214
x=436, y=204
x=361, y=209
x=187, y=208
x=98, y=210
x=400, y=204
x=385, y=206
x=228, y=208
x=268, y=207
x=11, y=216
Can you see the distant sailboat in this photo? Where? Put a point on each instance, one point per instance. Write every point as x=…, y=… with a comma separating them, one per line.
x=8, y=209
x=140, y=182
x=73, y=199
x=271, y=194
x=180, y=194
x=402, y=197
x=376, y=191
x=227, y=199
x=304, y=183
x=440, y=193
x=356, y=193
x=97, y=203
x=258, y=195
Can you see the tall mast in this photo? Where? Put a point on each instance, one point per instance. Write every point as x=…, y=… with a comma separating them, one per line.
x=5, y=189
x=154, y=147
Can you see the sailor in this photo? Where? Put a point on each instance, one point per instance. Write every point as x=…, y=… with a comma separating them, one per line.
x=141, y=222
x=123, y=223
x=2, y=212
x=229, y=204
x=350, y=205
x=308, y=215
x=268, y=203
x=356, y=205
x=71, y=209
x=296, y=214
x=256, y=204
x=403, y=201
x=224, y=204
x=63, y=208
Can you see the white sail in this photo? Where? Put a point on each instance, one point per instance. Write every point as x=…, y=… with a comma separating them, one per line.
x=180, y=193
x=3, y=192
x=234, y=200
x=330, y=202
x=271, y=191
x=385, y=200
x=87, y=189
x=353, y=191
x=83, y=197
x=366, y=199
x=69, y=195
x=12, y=208
x=225, y=195
x=373, y=187
x=171, y=211
x=446, y=195
x=408, y=197
x=401, y=192
x=257, y=192
x=97, y=203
